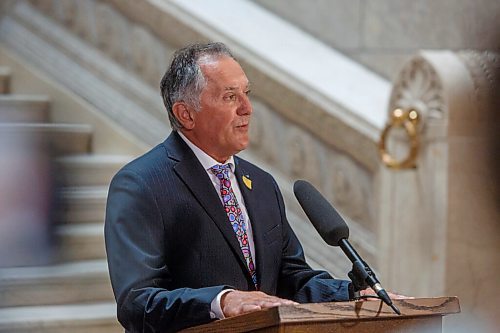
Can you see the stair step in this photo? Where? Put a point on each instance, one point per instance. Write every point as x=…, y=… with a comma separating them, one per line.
x=83, y=204
x=61, y=138
x=74, y=318
x=90, y=170
x=5, y=75
x=84, y=281
x=24, y=108
x=81, y=241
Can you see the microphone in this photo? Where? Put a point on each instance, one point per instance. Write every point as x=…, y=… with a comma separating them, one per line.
x=335, y=232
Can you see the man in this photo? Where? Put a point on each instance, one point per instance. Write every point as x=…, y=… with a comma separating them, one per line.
x=194, y=233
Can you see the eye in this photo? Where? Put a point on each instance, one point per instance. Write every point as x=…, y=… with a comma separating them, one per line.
x=231, y=97
x=248, y=92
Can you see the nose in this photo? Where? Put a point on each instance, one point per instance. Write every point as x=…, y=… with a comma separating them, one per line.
x=245, y=107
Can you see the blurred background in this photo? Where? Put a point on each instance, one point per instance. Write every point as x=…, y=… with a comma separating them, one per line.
x=79, y=97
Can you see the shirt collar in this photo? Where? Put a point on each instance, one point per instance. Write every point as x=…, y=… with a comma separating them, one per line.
x=206, y=160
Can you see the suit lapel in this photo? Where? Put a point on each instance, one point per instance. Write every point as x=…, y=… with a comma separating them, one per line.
x=190, y=170
x=258, y=221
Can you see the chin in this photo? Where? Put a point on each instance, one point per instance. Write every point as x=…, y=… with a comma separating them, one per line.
x=245, y=144
x=242, y=140
x=241, y=146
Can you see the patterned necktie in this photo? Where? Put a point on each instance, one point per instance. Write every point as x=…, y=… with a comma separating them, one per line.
x=235, y=216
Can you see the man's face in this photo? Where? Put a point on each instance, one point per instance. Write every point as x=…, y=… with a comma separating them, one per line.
x=222, y=123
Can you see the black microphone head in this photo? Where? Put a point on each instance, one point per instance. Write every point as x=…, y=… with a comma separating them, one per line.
x=329, y=224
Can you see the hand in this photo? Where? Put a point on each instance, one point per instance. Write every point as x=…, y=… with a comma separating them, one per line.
x=237, y=302
x=370, y=292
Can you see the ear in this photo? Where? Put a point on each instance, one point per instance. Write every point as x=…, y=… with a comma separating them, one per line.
x=184, y=114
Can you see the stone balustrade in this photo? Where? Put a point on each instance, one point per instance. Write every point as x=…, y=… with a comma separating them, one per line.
x=294, y=136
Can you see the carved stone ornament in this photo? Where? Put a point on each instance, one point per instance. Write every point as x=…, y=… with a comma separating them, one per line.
x=302, y=155
x=351, y=188
x=131, y=45
x=263, y=134
x=418, y=87
x=111, y=31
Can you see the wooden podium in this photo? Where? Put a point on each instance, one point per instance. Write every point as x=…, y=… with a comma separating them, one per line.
x=417, y=315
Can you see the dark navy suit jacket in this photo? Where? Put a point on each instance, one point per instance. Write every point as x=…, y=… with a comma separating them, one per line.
x=171, y=249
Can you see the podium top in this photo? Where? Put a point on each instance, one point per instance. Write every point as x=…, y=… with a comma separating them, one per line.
x=332, y=312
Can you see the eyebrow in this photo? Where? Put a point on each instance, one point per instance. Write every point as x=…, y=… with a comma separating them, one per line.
x=236, y=88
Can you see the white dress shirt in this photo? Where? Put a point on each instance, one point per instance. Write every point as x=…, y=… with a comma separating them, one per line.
x=208, y=162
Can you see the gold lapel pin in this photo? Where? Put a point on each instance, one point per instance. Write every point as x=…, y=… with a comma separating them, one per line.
x=247, y=182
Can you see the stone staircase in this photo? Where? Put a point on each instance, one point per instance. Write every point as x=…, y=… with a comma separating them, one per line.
x=74, y=293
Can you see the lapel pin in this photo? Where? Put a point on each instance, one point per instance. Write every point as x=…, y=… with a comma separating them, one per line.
x=247, y=182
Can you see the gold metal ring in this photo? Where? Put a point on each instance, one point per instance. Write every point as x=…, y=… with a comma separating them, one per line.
x=409, y=120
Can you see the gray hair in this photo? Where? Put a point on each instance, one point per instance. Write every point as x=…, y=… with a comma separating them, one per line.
x=184, y=80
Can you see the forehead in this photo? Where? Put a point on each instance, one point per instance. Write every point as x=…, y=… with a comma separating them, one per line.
x=223, y=72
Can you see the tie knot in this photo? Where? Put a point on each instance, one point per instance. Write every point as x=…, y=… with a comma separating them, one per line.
x=221, y=171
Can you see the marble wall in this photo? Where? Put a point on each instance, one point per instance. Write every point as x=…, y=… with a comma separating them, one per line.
x=384, y=34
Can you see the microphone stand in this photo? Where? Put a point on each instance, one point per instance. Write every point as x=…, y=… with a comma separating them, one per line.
x=358, y=277
x=361, y=273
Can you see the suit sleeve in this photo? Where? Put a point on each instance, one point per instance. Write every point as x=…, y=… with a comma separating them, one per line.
x=297, y=281
x=140, y=277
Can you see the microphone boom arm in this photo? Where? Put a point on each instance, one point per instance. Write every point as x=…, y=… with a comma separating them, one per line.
x=362, y=272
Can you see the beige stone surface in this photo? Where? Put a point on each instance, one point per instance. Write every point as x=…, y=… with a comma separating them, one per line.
x=66, y=107
x=335, y=21
x=85, y=281
x=75, y=318
x=449, y=24
x=440, y=231
x=387, y=64
x=374, y=31
x=474, y=236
